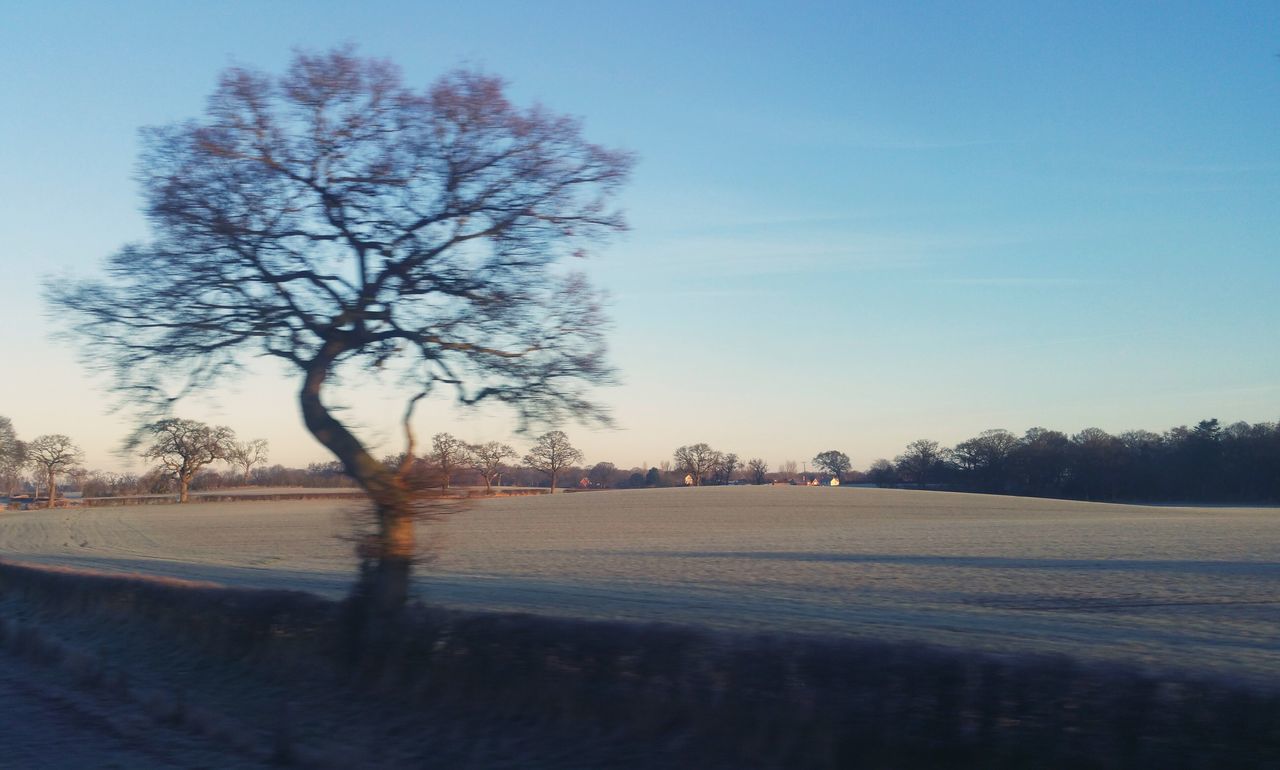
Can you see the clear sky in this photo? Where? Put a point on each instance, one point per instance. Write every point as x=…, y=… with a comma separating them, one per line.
x=853, y=224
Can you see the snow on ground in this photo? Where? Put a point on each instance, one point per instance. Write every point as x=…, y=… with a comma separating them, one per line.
x=1186, y=587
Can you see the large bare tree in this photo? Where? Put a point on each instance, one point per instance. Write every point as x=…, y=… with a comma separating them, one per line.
x=51, y=455
x=183, y=447
x=552, y=453
x=486, y=459
x=921, y=461
x=728, y=465
x=340, y=222
x=246, y=454
x=448, y=453
x=697, y=460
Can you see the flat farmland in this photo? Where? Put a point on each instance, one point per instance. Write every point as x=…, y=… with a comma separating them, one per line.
x=1190, y=588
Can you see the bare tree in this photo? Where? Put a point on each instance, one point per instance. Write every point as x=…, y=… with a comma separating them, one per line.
x=246, y=454
x=920, y=462
x=13, y=455
x=183, y=447
x=697, y=460
x=448, y=454
x=834, y=462
x=336, y=220
x=757, y=470
x=486, y=459
x=883, y=473
x=987, y=458
x=551, y=454
x=728, y=465
x=37, y=481
x=51, y=455
x=788, y=469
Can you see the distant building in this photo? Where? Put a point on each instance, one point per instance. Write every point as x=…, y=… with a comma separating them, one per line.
x=688, y=479
x=835, y=482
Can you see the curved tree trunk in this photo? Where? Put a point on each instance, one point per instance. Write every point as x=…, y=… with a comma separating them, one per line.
x=184, y=489
x=386, y=562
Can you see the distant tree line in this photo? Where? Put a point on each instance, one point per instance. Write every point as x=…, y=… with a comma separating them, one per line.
x=1239, y=463
x=1205, y=463
x=181, y=450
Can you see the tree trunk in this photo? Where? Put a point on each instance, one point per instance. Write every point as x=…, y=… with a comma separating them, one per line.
x=53, y=489
x=386, y=562
x=184, y=489
x=553, y=482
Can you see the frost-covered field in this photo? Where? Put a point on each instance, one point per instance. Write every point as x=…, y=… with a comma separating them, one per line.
x=1188, y=587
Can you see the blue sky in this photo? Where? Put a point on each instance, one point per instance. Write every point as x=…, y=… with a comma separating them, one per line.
x=853, y=225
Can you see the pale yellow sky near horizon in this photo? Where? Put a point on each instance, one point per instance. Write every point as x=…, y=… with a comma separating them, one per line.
x=64, y=399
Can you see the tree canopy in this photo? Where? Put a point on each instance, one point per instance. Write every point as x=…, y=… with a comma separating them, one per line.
x=332, y=218
x=183, y=447
x=53, y=454
x=552, y=453
x=13, y=454
x=697, y=460
x=486, y=459
x=833, y=461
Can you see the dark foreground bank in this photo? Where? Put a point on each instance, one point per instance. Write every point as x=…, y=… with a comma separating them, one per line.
x=280, y=677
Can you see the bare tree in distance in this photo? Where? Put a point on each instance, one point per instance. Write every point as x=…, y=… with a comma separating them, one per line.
x=37, y=481
x=50, y=455
x=834, y=462
x=552, y=453
x=183, y=447
x=883, y=473
x=448, y=454
x=486, y=459
x=697, y=460
x=788, y=470
x=603, y=474
x=757, y=470
x=341, y=223
x=920, y=461
x=987, y=456
x=246, y=454
x=13, y=455
x=728, y=465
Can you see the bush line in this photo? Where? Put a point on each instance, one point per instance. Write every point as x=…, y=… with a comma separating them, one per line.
x=750, y=700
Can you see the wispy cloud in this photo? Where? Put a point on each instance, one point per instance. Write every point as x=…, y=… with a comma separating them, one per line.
x=1015, y=281
x=858, y=133
x=826, y=252
x=692, y=292
x=1205, y=168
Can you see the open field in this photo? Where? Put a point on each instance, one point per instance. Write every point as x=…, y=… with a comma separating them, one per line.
x=1190, y=588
